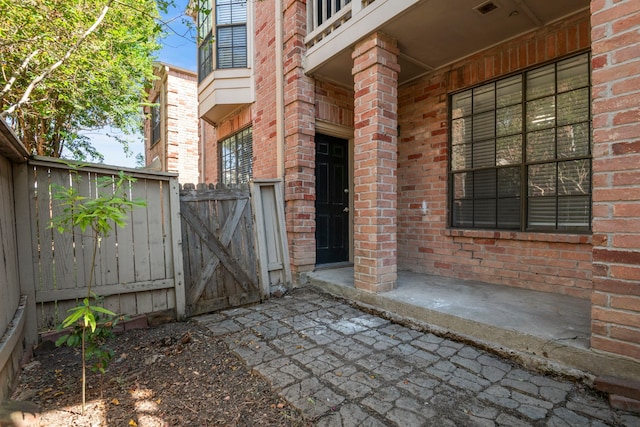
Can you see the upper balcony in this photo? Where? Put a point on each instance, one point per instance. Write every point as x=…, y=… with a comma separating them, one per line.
x=430, y=33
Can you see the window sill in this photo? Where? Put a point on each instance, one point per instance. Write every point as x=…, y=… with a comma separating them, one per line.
x=520, y=235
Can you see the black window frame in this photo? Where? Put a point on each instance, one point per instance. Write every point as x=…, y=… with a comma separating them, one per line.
x=476, y=197
x=236, y=167
x=156, y=122
x=205, y=39
x=231, y=40
x=235, y=54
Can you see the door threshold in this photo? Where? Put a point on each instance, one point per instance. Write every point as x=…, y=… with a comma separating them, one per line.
x=333, y=265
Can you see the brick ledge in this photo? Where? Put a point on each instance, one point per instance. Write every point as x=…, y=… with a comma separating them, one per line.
x=520, y=235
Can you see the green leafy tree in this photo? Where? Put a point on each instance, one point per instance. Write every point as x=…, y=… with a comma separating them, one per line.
x=72, y=65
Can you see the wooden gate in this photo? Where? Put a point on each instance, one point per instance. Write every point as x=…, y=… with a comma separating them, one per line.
x=219, y=254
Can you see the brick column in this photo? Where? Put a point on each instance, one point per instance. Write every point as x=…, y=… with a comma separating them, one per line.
x=265, y=147
x=375, y=72
x=299, y=134
x=615, y=314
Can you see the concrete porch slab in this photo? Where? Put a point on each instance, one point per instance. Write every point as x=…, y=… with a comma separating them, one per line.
x=547, y=330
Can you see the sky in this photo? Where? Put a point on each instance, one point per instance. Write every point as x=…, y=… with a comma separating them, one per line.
x=178, y=49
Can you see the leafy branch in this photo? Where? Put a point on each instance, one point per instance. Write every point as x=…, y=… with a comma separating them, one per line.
x=109, y=208
x=27, y=93
x=69, y=65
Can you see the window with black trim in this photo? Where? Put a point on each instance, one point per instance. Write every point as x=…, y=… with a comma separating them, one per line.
x=520, y=151
x=230, y=35
x=205, y=39
x=155, y=121
x=236, y=158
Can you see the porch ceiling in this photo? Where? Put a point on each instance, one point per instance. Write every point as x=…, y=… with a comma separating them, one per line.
x=434, y=33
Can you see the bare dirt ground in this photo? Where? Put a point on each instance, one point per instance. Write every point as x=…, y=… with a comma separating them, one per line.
x=176, y=374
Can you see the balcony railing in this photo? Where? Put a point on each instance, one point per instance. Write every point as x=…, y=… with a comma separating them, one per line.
x=324, y=16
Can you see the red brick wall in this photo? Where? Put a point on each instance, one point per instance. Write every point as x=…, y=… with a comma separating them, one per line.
x=616, y=177
x=209, y=158
x=179, y=147
x=234, y=123
x=264, y=122
x=334, y=104
x=558, y=263
x=183, y=147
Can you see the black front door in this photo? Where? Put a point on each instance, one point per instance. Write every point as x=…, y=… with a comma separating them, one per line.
x=332, y=200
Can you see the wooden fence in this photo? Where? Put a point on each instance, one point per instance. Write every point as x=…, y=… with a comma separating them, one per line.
x=12, y=302
x=138, y=268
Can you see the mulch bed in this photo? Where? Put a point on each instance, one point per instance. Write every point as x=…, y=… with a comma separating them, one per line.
x=175, y=374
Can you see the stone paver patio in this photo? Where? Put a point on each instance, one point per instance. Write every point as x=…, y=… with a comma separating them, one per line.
x=344, y=367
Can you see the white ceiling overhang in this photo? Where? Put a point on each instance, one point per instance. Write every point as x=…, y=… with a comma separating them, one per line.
x=434, y=33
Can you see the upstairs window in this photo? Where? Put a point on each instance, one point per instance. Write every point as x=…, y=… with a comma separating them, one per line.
x=521, y=151
x=155, y=122
x=231, y=33
x=230, y=41
x=205, y=40
x=236, y=158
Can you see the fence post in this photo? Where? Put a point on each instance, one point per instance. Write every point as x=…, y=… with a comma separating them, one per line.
x=271, y=234
x=23, y=192
x=176, y=239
